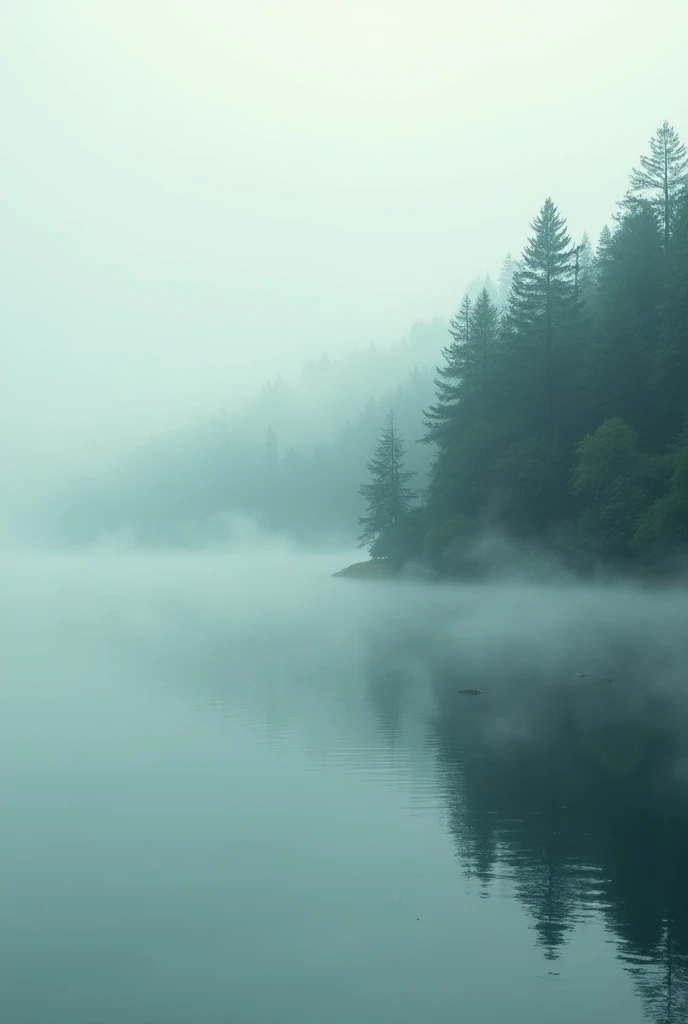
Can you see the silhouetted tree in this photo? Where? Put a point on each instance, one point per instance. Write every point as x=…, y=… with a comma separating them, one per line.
x=624, y=332
x=388, y=495
x=541, y=312
x=440, y=417
x=670, y=373
x=661, y=182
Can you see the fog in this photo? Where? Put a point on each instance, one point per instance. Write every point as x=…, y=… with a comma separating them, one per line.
x=223, y=763
x=201, y=196
x=257, y=255
x=261, y=605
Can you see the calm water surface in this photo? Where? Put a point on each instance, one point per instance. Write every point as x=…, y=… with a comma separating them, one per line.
x=236, y=790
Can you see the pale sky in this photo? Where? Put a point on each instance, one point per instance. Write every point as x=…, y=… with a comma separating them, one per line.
x=200, y=194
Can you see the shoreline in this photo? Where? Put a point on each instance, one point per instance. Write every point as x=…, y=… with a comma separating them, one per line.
x=380, y=569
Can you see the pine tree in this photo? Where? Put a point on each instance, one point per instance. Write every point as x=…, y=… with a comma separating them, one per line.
x=542, y=310
x=584, y=277
x=661, y=182
x=602, y=254
x=459, y=325
x=480, y=349
x=388, y=495
x=440, y=417
x=623, y=336
x=472, y=428
x=670, y=374
x=466, y=374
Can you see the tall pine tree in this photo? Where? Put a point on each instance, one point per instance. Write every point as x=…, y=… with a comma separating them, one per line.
x=670, y=373
x=388, y=495
x=623, y=334
x=479, y=352
x=541, y=317
x=661, y=181
x=440, y=417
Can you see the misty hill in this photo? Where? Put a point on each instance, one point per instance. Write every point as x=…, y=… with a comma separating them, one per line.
x=292, y=459
x=331, y=393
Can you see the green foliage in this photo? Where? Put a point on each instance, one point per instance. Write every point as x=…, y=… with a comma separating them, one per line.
x=539, y=363
x=388, y=495
x=670, y=373
x=447, y=541
x=439, y=418
x=464, y=380
x=611, y=452
x=618, y=484
x=529, y=478
x=402, y=541
x=661, y=181
x=557, y=415
x=664, y=530
x=621, y=345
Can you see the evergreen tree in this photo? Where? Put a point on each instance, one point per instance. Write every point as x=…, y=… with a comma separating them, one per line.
x=541, y=315
x=609, y=478
x=661, y=182
x=480, y=349
x=478, y=427
x=388, y=495
x=463, y=383
x=440, y=417
x=602, y=255
x=670, y=372
x=562, y=414
x=585, y=270
x=623, y=336
x=459, y=325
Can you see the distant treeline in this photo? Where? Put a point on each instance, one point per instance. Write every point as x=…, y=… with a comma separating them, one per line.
x=291, y=460
x=561, y=414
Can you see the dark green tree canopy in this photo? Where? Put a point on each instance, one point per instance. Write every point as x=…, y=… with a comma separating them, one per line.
x=388, y=494
x=561, y=416
x=540, y=324
x=439, y=418
x=543, y=285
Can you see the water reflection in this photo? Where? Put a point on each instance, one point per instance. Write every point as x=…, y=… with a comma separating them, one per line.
x=562, y=788
x=574, y=793
x=277, y=780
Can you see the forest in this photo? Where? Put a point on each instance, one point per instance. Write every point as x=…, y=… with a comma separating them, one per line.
x=560, y=414
x=290, y=459
x=550, y=415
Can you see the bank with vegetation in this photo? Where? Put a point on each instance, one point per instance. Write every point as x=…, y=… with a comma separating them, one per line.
x=560, y=421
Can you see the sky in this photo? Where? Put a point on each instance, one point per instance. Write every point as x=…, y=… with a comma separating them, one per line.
x=199, y=195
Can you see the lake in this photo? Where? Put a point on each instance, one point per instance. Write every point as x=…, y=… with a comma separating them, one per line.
x=237, y=790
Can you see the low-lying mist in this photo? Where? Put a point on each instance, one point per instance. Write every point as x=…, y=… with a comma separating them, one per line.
x=547, y=656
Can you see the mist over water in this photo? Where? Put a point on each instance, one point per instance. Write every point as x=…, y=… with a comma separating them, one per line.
x=284, y=277
x=235, y=788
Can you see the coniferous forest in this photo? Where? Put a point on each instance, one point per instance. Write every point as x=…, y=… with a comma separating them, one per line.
x=556, y=424
x=560, y=417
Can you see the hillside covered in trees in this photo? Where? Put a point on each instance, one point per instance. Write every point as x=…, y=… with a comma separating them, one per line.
x=290, y=459
x=560, y=416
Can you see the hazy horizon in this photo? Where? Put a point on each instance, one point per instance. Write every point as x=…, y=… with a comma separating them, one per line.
x=344, y=560
x=202, y=197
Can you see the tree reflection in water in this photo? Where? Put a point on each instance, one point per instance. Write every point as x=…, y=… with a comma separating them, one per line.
x=571, y=789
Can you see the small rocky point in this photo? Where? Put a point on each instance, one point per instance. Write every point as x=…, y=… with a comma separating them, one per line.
x=373, y=569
